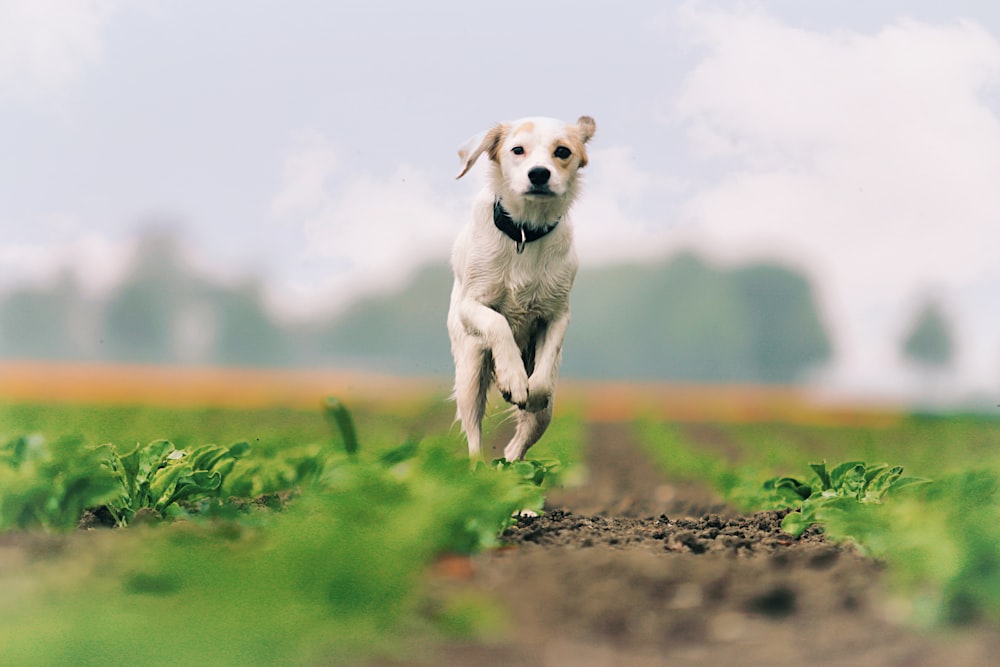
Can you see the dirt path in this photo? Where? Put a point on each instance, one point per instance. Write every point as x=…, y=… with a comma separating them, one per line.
x=632, y=570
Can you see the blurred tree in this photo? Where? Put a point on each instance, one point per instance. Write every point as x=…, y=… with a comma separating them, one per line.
x=686, y=320
x=929, y=341
x=37, y=323
x=786, y=335
x=137, y=324
x=247, y=336
x=678, y=320
x=399, y=332
x=140, y=314
x=165, y=312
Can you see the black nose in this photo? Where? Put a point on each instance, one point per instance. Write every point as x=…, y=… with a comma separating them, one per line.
x=539, y=176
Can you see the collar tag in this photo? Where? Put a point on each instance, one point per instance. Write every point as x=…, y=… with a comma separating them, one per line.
x=520, y=244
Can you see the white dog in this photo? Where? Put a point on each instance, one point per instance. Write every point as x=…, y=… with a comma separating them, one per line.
x=514, y=267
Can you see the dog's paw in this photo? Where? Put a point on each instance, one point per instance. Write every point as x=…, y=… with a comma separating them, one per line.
x=514, y=388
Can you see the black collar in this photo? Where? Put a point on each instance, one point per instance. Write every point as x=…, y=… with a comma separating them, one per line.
x=517, y=231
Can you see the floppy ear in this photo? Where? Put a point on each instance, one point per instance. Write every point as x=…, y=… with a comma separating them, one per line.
x=489, y=141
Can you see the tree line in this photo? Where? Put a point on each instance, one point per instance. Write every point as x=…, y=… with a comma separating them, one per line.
x=679, y=319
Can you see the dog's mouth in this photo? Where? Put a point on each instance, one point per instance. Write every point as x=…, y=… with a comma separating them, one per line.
x=540, y=191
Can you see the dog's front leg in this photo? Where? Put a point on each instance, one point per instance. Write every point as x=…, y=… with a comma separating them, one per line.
x=548, y=352
x=492, y=328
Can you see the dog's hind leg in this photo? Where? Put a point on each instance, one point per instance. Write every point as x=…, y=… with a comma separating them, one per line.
x=530, y=427
x=473, y=370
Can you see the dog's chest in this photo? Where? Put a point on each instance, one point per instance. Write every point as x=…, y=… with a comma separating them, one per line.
x=531, y=295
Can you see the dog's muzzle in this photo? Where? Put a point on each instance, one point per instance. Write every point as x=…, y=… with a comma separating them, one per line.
x=539, y=178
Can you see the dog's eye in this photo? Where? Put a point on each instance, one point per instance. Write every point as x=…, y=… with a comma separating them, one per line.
x=517, y=150
x=562, y=152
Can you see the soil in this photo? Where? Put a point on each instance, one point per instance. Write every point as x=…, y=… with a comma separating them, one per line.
x=634, y=570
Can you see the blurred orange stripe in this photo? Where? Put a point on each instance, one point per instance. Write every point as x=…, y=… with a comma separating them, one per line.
x=598, y=401
x=197, y=386
x=625, y=401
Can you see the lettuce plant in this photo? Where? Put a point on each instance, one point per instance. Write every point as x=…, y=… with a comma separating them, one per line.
x=846, y=484
x=158, y=475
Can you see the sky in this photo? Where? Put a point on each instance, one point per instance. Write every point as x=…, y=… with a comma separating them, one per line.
x=314, y=144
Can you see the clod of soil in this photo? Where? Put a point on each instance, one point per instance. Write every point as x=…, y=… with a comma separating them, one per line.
x=757, y=533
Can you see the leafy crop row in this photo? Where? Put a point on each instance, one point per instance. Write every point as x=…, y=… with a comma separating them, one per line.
x=940, y=538
x=50, y=486
x=338, y=568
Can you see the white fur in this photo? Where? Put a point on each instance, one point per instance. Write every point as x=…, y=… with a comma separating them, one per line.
x=509, y=311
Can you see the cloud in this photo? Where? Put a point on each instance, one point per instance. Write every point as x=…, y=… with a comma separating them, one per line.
x=96, y=262
x=872, y=158
x=611, y=219
x=305, y=175
x=47, y=44
x=360, y=232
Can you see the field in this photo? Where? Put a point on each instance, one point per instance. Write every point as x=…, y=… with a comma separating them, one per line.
x=288, y=541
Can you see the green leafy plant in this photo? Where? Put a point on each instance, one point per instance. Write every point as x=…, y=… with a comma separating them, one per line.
x=293, y=468
x=849, y=483
x=939, y=543
x=49, y=486
x=539, y=473
x=158, y=475
x=338, y=569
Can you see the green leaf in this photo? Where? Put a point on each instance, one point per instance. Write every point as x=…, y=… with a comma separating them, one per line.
x=873, y=471
x=195, y=485
x=162, y=486
x=824, y=476
x=904, y=482
x=795, y=524
x=837, y=474
x=338, y=414
x=239, y=449
x=397, y=455
x=790, y=485
x=149, y=459
x=881, y=483
x=206, y=456
x=853, y=482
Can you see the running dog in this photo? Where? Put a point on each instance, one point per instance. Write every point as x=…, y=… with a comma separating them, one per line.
x=514, y=266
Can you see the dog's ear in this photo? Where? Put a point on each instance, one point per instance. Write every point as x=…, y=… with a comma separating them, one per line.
x=488, y=142
x=584, y=131
x=586, y=126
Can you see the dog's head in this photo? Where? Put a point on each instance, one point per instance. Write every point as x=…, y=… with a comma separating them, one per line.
x=534, y=160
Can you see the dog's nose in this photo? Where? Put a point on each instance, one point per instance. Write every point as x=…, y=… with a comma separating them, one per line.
x=539, y=175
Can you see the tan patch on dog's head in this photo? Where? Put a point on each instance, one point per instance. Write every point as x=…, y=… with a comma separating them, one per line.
x=526, y=126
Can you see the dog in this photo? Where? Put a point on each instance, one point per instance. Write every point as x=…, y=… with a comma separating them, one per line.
x=514, y=267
